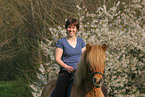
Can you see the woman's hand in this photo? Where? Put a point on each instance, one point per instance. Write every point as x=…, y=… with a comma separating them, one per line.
x=58, y=55
x=69, y=69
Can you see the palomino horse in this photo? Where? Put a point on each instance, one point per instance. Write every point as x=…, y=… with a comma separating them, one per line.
x=88, y=77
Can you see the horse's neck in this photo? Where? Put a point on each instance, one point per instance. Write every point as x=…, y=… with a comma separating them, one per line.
x=87, y=89
x=92, y=91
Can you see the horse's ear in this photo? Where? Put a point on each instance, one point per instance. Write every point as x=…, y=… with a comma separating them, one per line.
x=88, y=47
x=104, y=46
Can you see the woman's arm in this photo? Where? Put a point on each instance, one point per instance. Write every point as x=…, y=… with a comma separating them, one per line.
x=58, y=55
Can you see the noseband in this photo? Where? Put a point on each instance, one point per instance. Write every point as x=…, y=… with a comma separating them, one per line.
x=96, y=73
x=91, y=73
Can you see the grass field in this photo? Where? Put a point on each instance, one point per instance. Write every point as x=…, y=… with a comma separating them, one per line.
x=14, y=89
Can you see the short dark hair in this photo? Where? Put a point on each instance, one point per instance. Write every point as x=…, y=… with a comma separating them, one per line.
x=72, y=21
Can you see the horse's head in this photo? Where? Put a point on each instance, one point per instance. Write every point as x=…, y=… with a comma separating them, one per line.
x=95, y=58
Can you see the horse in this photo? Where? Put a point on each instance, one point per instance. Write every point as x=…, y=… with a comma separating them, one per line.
x=88, y=78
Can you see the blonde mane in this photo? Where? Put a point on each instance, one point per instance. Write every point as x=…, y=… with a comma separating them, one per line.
x=93, y=58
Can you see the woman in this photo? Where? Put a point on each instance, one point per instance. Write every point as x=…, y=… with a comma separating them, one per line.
x=68, y=53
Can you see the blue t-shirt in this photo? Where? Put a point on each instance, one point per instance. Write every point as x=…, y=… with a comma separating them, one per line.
x=71, y=56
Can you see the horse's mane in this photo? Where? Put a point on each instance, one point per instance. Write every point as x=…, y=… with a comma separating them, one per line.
x=94, y=58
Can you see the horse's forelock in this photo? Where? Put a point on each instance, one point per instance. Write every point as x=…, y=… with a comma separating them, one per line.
x=96, y=58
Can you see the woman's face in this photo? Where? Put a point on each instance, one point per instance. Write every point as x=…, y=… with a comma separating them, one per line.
x=71, y=30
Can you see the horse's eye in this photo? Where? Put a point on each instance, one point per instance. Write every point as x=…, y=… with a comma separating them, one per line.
x=94, y=80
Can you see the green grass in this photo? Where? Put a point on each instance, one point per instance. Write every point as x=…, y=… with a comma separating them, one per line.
x=14, y=89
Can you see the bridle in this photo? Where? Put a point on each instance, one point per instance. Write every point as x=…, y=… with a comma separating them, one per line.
x=96, y=73
x=91, y=73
